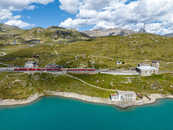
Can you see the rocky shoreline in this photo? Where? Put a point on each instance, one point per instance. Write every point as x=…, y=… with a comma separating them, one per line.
x=143, y=101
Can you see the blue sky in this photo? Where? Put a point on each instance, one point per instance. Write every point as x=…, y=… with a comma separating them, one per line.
x=44, y=15
x=157, y=15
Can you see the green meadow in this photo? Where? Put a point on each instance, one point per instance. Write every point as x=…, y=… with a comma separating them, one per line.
x=100, y=53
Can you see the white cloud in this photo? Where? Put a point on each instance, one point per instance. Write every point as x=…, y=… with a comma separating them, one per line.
x=70, y=6
x=70, y=23
x=8, y=6
x=18, y=23
x=156, y=14
x=104, y=25
x=87, y=13
x=21, y=4
x=5, y=14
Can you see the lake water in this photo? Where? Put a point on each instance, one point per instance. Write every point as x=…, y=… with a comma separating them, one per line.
x=53, y=113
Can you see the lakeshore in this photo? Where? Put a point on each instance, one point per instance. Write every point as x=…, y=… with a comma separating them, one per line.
x=97, y=100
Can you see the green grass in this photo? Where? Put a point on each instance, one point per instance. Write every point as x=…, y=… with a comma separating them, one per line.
x=48, y=35
x=21, y=86
x=99, y=52
x=152, y=84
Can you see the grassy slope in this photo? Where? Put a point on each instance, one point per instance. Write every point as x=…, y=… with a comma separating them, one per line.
x=48, y=35
x=8, y=33
x=131, y=49
x=100, y=53
x=154, y=84
x=20, y=86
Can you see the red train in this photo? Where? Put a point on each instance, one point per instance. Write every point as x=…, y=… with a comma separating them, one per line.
x=78, y=70
x=54, y=69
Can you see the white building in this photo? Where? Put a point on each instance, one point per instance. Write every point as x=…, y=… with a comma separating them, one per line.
x=124, y=96
x=156, y=64
x=148, y=70
x=119, y=62
x=30, y=64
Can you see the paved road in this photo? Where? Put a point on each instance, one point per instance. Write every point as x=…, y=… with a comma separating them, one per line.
x=4, y=64
x=6, y=69
x=120, y=72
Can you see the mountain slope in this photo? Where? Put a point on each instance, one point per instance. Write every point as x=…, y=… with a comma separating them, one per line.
x=109, y=32
x=53, y=34
x=169, y=35
x=5, y=28
x=98, y=53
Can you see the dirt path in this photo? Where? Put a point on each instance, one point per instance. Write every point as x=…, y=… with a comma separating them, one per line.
x=102, y=57
x=88, y=84
x=3, y=53
x=4, y=64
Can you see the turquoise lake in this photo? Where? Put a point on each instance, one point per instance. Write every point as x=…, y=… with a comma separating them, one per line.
x=53, y=113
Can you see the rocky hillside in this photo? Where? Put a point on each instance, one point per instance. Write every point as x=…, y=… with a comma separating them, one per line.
x=169, y=35
x=7, y=28
x=109, y=32
x=53, y=34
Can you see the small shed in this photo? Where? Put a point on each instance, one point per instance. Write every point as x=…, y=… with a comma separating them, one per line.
x=120, y=62
x=30, y=64
x=53, y=66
